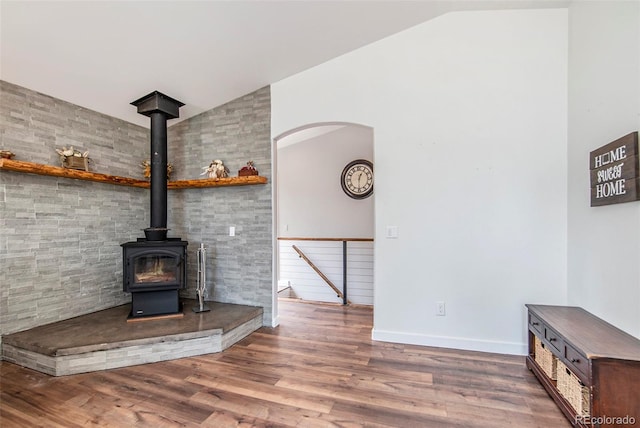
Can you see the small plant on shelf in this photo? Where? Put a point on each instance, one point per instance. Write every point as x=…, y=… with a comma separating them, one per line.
x=74, y=159
x=248, y=170
x=146, y=169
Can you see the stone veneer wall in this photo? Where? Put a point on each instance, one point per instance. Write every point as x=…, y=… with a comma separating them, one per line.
x=60, y=253
x=60, y=238
x=239, y=268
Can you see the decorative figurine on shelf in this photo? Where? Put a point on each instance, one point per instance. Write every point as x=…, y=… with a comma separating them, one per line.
x=216, y=169
x=248, y=170
x=74, y=159
x=146, y=169
x=6, y=154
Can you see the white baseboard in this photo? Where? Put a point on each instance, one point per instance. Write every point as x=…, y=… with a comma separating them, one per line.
x=510, y=348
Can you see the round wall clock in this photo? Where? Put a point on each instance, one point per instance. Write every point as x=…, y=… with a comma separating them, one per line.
x=357, y=179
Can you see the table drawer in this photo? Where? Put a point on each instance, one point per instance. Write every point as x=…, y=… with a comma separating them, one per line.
x=577, y=363
x=536, y=324
x=555, y=340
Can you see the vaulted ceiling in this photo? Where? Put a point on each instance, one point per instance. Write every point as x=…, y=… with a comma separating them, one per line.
x=103, y=55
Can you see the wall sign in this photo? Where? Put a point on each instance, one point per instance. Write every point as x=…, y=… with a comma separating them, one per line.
x=615, y=172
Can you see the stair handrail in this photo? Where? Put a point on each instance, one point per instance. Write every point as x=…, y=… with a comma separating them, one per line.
x=340, y=294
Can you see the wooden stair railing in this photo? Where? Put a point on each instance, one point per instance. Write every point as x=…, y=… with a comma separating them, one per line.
x=319, y=272
x=342, y=294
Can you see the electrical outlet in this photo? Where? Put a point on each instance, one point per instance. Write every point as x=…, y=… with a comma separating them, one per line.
x=232, y=231
x=440, y=309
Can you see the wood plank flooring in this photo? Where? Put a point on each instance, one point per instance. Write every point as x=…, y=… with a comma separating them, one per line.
x=319, y=368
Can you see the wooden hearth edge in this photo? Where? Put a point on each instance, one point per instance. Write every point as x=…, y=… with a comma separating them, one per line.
x=156, y=317
x=54, y=171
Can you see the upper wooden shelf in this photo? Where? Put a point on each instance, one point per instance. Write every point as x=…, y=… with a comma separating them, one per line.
x=219, y=182
x=35, y=168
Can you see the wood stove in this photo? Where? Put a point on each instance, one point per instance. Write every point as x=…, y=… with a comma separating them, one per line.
x=155, y=266
x=154, y=271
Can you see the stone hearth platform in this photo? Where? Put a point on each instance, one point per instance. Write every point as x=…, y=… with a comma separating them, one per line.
x=105, y=340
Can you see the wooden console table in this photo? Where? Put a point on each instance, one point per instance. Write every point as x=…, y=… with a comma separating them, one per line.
x=605, y=359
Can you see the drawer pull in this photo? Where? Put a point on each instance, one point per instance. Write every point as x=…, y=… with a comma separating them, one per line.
x=535, y=323
x=575, y=360
x=552, y=339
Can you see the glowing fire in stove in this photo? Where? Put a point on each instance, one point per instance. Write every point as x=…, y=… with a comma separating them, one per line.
x=155, y=269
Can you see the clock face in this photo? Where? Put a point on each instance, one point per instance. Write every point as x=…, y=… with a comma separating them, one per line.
x=357, y=179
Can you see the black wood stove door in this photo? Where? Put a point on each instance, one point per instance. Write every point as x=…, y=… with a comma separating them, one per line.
x=151, y=268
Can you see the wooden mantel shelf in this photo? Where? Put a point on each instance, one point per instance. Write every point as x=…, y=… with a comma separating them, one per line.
x=35, y=168
x=55, y=171
x=213, y=182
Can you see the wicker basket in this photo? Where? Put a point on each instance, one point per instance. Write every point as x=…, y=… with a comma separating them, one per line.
x=75, y=162
x=572, y=389
x=545, y=359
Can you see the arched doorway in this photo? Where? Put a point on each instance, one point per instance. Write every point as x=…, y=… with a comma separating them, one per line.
x=313, y=213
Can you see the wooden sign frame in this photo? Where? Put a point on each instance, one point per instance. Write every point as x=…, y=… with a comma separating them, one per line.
x=615, y=172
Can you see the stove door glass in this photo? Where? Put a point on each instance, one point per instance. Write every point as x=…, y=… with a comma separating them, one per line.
x=152, y=269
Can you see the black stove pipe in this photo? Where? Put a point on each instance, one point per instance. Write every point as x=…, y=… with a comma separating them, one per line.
x=158, y=171
x=159, y=108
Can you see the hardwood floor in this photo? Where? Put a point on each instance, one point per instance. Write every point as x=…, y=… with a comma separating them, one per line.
x=318, y=368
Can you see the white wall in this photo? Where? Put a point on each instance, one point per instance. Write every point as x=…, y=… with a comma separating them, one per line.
x=469, y=118
x=604, y=104
x=311, y=203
